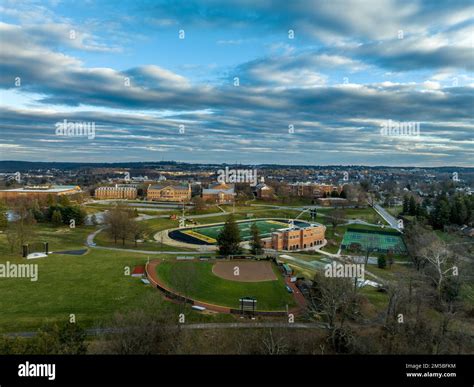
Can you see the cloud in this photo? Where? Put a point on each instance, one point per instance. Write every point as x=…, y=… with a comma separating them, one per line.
x=138, y=107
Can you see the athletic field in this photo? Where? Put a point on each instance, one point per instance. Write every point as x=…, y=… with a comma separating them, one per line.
x=209, y=234
x=197, y=280
x=381, y=241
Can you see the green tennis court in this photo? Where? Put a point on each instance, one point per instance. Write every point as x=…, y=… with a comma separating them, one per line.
x=381, y=241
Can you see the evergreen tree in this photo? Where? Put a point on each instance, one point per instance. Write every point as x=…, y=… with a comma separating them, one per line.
x=228, y=239
x=406, y=205
x=381, y=262
x=256, y=243
x=56, y=218
x=459, y=212
x=50, y=201
x=64, y=201
x=441, y=214
x=412, y=206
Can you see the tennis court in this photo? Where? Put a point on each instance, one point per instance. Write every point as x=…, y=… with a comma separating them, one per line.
x=381, y=241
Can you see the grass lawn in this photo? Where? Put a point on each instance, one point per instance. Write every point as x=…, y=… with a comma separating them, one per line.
x=395, y=211
x=334, y=238
x=59, y=238
x=379, y=300
x=270, y=295
x=91, y=286
x=103, y=239
x=368, y=214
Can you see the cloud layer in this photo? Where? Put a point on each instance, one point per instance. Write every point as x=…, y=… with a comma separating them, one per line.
x=317, y=98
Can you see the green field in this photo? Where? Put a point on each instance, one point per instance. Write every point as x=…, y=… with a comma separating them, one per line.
x=266, y=227
x=92, y=286
x=205, y=286
x=380, y=241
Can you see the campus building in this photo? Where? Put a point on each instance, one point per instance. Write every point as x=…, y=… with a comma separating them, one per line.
x=313, y=190
x=169, y=193
x=296, y=238
x=116, y=192
x=263, y=191
x=40, y=191
x=219, y=193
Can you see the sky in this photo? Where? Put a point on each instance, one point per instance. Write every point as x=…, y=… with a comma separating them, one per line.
x=314, y=82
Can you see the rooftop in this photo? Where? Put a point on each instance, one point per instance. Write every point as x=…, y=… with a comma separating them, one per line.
x=41, y=188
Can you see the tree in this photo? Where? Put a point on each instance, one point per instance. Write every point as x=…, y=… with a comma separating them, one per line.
x=137, y=231
x=142, y=331
x=337, y=217
x=199, y=203
x=441, y=213
x=3, y=218
x=459, y=211
x=50, y=200
x=56, y=218
x=334, y=300
x=64, y=200
x=229, y=239
x=412, y=206
x=66, y=339
x=381, y=262
x=406, y=205
x=440, y=264
x=256, y=244
x=119, y=223
x=21, y=229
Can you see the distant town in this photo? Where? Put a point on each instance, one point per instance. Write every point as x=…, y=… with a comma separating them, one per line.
x=220, y=244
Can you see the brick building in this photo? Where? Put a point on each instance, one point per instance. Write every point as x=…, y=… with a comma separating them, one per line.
x=219, y=193
x=263, y=191
x=116, y=192
x=296, y=238
x=169, y=193
x=313, y=190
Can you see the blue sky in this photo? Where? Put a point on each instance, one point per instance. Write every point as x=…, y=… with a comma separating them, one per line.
x=316, y=95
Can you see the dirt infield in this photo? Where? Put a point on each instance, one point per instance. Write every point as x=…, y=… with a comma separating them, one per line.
x=248, y=271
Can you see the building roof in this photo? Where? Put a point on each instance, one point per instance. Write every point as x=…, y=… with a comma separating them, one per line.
x=180, y=187
x=210, y=191
x=215, y=189
x=52, y=188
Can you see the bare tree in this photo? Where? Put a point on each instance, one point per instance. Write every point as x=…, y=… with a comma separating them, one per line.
x=337, y=217
x=273, y=343
x=334, y=300
x=440, y=264
x=119, y=223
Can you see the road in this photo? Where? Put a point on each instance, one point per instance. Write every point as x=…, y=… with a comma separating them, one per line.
x=390, y=219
